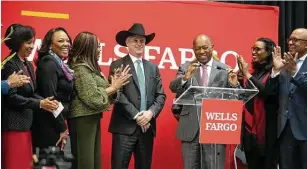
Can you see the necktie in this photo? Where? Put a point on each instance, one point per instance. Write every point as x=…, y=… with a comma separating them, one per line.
x=204, y=77
x=141, y=80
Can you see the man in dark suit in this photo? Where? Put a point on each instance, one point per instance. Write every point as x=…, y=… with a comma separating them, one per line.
x=289, y=81
x=203, y=71
x=133, y=121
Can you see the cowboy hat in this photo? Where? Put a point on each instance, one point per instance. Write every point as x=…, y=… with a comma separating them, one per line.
x=136, y=29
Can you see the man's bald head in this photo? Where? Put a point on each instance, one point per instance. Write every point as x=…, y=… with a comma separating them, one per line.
x=201, y=37
x=297, y=42
x=302, y=32
x=203, y=48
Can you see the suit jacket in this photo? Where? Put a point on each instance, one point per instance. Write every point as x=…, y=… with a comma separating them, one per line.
x=4, y=87
x=128, y=104
x=188, y=125
x=292, y=93
x=20, y=103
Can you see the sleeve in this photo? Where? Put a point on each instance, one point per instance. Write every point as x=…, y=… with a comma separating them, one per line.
x=13, y=97
x=88, y=92
x=130, y=111
x=48, y=77
x=178, y=85
x=4, y=87
x=160, y=96
x=272, y=85
x=259, y=85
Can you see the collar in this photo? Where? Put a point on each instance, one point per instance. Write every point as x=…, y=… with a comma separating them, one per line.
x=209, y=64
x=133, y=58
x=303, y=57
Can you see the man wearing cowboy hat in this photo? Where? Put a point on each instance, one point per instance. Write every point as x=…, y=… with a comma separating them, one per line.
x=133, y=120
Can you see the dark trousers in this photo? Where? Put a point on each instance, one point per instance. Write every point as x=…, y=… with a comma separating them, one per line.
x=85, y=141
x=293, y=152
x=139, y=143
x=203, y=156
x=255, y=160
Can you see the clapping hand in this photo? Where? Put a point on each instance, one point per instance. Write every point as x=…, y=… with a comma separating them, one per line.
x=17, y=79
x=243, y=66
x=290, y=63
x=278, y=61
x=232, y=78
x=121, y=77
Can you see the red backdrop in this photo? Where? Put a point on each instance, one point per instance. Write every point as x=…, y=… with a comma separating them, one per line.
x=233, y=28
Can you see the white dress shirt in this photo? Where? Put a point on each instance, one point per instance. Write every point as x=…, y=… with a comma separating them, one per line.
x=300, y=63
x=135, y=64
x=134, y=59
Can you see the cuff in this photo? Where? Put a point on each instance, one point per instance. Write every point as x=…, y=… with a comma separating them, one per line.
x=295, y=74
x=153, y=113
x=183, y=81
x=8, y=84
x=136, y=115
x=274, y=74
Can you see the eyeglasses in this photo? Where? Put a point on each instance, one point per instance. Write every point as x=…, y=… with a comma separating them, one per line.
x=295, y=40
x=256, y=49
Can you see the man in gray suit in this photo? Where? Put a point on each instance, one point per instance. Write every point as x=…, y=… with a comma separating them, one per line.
x=289, y=81
x=204, y=71
x=133, y=120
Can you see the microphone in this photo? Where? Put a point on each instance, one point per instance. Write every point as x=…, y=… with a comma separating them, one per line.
x=221, y=68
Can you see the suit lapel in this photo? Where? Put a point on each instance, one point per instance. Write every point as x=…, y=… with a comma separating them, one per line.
x=213, y=73
x=302, y=69
x=128, y=61
x=147, y=74
x=31, y=71
x=20, y=65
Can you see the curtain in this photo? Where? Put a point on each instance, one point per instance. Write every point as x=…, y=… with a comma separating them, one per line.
x=292, y=15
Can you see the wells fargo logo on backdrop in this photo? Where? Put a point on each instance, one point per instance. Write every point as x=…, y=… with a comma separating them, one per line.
x=167, y=55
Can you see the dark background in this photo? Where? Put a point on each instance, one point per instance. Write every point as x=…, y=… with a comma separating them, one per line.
x=292, y=15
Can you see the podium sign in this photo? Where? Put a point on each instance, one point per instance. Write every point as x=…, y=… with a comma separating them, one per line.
x=221, y=121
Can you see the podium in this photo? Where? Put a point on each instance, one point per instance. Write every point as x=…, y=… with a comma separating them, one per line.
x=219, y=112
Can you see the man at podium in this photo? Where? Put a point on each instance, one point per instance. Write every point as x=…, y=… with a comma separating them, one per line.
x=208, y=72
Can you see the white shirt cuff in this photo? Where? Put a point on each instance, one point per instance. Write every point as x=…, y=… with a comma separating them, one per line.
x=183, y=81
x=273, y=74
x=136, y=116
x=295, y=74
